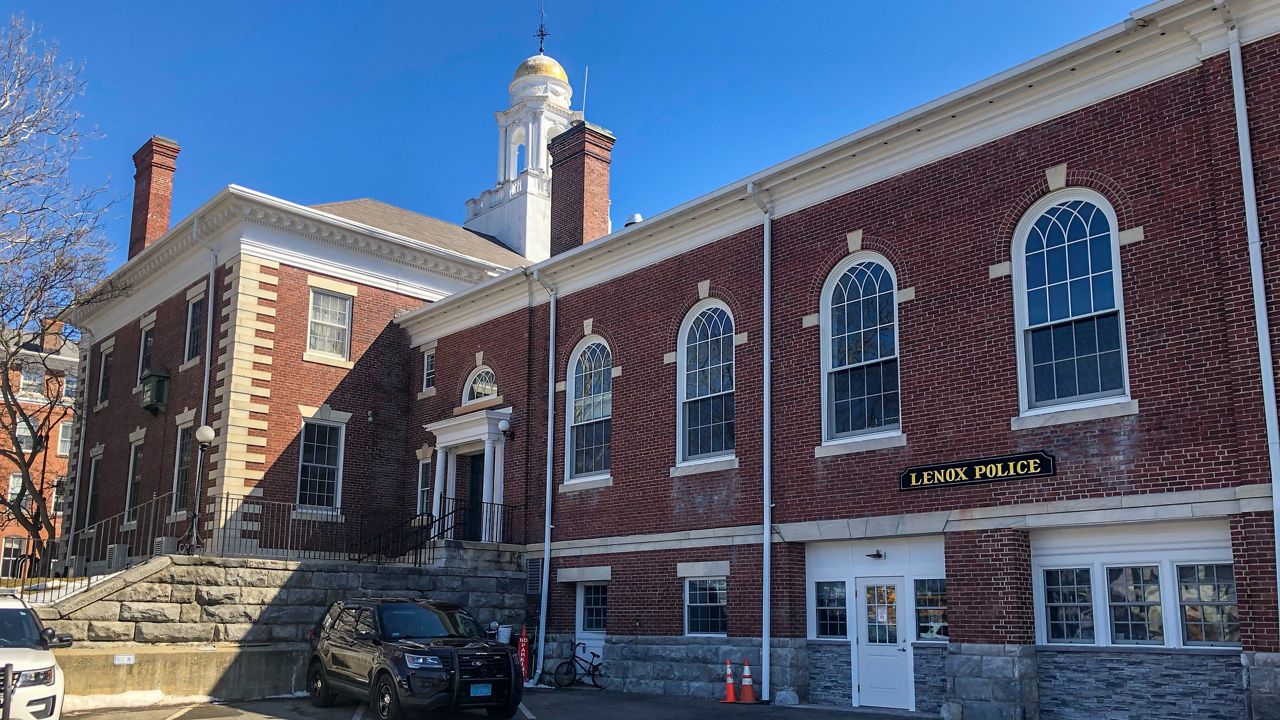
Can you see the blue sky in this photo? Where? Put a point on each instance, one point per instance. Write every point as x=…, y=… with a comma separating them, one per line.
x=325, y=100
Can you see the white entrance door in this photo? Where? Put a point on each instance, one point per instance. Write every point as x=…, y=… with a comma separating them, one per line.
x=881, y=648
x=593, y=614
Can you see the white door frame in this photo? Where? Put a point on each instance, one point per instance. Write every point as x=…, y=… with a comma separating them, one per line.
x=905, y=630
x=579, y=635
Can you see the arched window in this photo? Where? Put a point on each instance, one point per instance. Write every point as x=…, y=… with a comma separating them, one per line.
x=860, y=348
x=706, y=382
x=1067, y=286
x=482, y=385
x=590, y=409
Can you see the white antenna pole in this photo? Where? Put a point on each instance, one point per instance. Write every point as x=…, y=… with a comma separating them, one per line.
x=586, y=74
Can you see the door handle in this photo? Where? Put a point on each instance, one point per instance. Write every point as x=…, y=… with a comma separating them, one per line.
x=902, y=649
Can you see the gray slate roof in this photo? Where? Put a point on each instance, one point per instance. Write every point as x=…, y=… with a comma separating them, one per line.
x=425, y=229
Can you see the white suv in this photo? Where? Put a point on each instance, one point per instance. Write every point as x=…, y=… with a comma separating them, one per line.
x=27, y=663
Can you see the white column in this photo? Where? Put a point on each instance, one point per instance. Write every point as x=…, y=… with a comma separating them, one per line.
x=502, y=154
x=451, y=478
x=499, y=481
x=537, y=148
x=437, y=490
x=486, y=492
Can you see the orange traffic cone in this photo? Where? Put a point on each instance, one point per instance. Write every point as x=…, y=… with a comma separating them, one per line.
x=748, y=687
x=729, y=695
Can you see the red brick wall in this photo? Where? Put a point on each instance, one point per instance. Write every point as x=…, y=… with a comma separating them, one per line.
x=1161, y=154
x=989, y=586
x=1253, y=548
x=379, y=468
x=111, y=425
x=646, y=597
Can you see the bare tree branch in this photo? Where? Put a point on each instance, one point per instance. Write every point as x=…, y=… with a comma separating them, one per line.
x=53, y=258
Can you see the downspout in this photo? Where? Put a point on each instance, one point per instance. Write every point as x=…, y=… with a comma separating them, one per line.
x=546, y=530
x=766, y=443
x=1261, y=323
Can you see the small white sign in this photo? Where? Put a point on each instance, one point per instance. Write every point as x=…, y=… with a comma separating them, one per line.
x=123, y=659
x=882, y=616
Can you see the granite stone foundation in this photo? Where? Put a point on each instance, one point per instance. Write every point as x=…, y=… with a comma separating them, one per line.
x=930, y=661
x=991, y=682
x=1262, y=684
x=830, y=672
x=1124, y=683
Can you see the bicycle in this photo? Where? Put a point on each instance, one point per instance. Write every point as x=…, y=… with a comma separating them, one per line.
x=575, y=668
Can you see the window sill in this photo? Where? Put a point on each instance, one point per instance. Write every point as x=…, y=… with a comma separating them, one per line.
x=586, y=483
x=189, y=364
x=136, y=388
x=330, y=360
x=1096, y=410
x=100, y=406
x=176, y=517
x=1148, y=649
x=333, y=515
x=829, y=640
x=428, y=393
x=707, y=635
x=475, y=405
x=861, y=443
x=697, y=467
x=129, y=526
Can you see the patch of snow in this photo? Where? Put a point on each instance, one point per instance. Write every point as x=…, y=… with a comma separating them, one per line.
x=134, y=698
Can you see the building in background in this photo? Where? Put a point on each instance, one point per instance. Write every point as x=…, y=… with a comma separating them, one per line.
x=999, y=410
x=45, y=385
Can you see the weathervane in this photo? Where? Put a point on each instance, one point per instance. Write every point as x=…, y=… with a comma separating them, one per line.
x=542, y=26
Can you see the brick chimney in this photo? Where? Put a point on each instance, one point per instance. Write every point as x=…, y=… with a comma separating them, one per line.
x=580, y=158
x=152, y=191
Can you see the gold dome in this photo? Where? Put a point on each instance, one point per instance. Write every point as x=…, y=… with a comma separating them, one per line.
x=541, y=65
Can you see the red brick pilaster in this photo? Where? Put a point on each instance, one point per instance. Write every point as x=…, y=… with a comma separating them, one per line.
x=989, y=587
x=1253, y=548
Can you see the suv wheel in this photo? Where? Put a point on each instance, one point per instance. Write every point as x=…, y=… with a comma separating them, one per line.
x=386, y=701
x=318, y=686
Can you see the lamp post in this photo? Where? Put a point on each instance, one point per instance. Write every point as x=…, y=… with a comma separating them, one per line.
x=205, y=437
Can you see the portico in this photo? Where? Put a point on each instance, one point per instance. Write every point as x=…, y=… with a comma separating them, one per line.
x=474, y=511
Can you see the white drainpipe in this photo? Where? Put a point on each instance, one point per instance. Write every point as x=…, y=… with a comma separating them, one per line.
x=1261, y=323
x=551, y=422
x=766, y=444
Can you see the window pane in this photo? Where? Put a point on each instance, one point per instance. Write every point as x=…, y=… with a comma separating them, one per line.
x=595, y=607
x=1134, y=599
x=931, y=609
x=483, y=385
x=1068, y=605
x=1207, y=595
x=330, y=324
x=830, y=610
x=320, y=465
x=862, y=382
x=705, y=607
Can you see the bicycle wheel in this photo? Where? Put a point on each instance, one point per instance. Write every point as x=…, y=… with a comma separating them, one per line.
x=565, y=674
x=595, y=674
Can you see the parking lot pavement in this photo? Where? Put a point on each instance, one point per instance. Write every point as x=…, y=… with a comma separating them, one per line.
x=538, y=705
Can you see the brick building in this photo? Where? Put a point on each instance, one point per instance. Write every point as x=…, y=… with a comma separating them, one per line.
x=43, y=384
x=989, y=373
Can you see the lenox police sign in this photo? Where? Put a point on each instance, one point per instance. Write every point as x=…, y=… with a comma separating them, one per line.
x=968, y=472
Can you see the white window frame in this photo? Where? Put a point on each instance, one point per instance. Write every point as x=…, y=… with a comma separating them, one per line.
x=104, y=374
x=192, y=477
x=311, y=308
x=569, y=398
x=130, y=524
x=1166, y=558
x=1018, y=270
x=580, y=623
x=467, y=399
x=824, y=314
x=142, y=347
x=23, y=431
x=681, y=350
x=15, y=481
x=94, y=468
x=70, y=380
x=684, y=607
x=66, y=430
x=193, y=324
x=915, y=626
x=421, y=498
x=342, y=456
x=428, y=361
x=34, y=387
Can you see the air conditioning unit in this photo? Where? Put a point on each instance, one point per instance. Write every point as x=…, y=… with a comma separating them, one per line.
x=164, y=545
x=76, y=565
x=117, y=557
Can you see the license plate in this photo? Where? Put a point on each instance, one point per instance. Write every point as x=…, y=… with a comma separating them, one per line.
x=484, y=690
